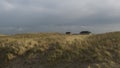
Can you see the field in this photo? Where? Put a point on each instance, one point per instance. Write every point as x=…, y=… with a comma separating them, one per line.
x=55, y=50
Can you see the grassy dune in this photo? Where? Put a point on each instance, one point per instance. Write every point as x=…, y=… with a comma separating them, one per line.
x=54, y=50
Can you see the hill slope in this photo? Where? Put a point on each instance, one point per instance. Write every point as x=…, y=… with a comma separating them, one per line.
x=60, y=51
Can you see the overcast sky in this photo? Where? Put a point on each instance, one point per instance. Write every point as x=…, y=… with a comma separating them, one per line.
x=98, y=16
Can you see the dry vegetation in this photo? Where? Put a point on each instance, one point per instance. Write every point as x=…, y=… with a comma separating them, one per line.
x=54, y=50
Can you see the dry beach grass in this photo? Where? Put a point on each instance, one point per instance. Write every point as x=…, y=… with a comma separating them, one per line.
x=55, y=50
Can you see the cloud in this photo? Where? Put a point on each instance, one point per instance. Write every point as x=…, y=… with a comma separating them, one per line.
x=59, y=15
x=6, y=6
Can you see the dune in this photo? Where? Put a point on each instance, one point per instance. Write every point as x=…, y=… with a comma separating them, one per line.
x=47, y=50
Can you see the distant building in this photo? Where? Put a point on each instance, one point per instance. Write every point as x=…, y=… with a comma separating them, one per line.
x=85, y=32
x=68, y=33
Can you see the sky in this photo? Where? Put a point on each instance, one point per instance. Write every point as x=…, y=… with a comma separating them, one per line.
x=97, y=16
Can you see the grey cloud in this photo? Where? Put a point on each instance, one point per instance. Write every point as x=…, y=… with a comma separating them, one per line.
x=59, y=15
